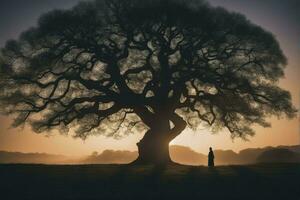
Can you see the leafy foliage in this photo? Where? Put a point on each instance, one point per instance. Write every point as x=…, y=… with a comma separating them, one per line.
x=104, y=65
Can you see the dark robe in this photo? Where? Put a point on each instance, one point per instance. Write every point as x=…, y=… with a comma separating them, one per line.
x=211, y=159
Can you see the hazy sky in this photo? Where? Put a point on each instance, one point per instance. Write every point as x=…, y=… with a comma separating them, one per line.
x=279, y=17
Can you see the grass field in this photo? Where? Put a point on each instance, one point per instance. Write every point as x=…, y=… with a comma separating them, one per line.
x=262, y=181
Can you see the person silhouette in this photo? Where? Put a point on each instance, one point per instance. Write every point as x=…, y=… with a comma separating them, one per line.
x=211, y=158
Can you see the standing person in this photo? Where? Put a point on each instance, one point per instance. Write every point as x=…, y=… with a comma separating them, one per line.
x=211, y=158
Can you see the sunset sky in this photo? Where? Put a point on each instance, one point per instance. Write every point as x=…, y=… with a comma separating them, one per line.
x=277, y=16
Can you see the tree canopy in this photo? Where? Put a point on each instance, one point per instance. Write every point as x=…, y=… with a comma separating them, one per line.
x=107, y=65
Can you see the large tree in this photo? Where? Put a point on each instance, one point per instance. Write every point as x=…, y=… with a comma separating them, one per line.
x=119, y=66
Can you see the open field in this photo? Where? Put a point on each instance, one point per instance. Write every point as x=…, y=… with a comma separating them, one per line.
x=262, y=181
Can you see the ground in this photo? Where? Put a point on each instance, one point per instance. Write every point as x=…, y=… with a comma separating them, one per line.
x=261, y=181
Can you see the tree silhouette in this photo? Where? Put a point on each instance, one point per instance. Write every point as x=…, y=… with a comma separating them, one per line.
x=116, y=67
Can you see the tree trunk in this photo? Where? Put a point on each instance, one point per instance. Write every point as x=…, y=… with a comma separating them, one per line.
x=153, y=148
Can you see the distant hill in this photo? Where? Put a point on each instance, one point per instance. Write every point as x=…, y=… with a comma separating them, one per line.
x=294, y=148
x=18, y=157
x=223, y=157
x=110, y=156
x=279, y=155
x=178, y=153
x=252, y=155
x=186, y=155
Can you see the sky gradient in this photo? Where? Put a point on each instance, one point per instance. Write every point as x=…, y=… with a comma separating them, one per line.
x=279, y=17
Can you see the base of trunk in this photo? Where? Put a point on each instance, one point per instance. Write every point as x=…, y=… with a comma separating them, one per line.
x=153, y=149
x=141, y=161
